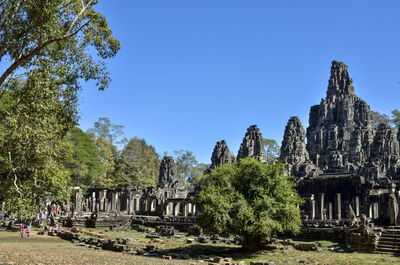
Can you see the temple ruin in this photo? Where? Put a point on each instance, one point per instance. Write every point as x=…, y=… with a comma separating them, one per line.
x=347, y=171
x=346, y=161
x=341, y=160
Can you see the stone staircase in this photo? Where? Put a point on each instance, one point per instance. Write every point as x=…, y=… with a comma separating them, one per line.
x=389, y=241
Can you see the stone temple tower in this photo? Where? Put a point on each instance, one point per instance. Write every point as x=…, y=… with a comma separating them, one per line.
x=252, y=145
x=340, y=131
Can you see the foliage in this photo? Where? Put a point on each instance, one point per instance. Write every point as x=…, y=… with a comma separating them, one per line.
x=138, y=165
x=62, y=33
x=108, y=154
x=248, y=199
x=187, y=166
x=48, y=46
x=83, y=160
x=105, y=136
x=396, y=119
x=272, y=150
x=197, y=173
x=379, y=118
x=36, y=115
x=110, y=132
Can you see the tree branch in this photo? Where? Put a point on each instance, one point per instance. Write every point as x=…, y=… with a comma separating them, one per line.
x=41, y=46
x=15, y=175
x=77, y=16
x=26, y=58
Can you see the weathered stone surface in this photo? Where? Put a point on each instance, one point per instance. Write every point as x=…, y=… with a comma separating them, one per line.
x=194, y=230
x=168, y=171
x=165, y=230
x=294, y=152
x=252, y=145
x=221, y=155
x=385, y=149
x=341, y=129
x=293, y=149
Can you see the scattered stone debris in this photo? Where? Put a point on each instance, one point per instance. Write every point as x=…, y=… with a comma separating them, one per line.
x=165, y=230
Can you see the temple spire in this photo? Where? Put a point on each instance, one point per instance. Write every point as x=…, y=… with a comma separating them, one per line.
x=340, y=82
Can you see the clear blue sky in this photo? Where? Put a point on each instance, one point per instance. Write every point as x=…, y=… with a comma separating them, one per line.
x=193, y=72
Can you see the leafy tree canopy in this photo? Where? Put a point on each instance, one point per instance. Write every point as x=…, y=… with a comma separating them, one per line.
x=396, y=119
x=138, y=165
x=272, y=150
x=83, y=160
x=379, y=118
x=393, y=121
x=35, y=118
x=60, y=33
x=110, y=132
x=189, y=169
x=248, y=199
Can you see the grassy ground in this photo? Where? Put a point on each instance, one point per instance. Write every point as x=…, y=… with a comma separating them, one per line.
x=52, y=250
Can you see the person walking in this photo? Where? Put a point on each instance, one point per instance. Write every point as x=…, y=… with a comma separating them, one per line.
x=28, y=230
x=21, y=230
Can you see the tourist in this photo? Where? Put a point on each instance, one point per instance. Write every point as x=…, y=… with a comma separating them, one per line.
x=21, y=230
x=55, y=228
x=28, y=230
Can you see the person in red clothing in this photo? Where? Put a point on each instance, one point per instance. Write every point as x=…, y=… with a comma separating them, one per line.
x=28, y=230
x=21, y=230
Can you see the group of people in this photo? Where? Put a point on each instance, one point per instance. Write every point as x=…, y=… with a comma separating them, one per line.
x=21, y=230
x=44, y=218
x=28, y=229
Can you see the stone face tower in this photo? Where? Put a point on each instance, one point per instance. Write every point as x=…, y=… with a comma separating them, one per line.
x=385, y=149
x=252, y=145
x=293, y=149
x=221, y=155
x=168, y=172
x=340, y=131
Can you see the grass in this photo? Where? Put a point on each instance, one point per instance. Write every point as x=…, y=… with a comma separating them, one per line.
x=52, y=250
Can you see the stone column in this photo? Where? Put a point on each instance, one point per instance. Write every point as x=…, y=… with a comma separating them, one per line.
x=131, y=202
x=78, y=201
x=101, y=200
x=113, y=201
x=128, y=203
x=3, y=206
x=320, y=206
x=117, y=202
x=312, y=208
x=376, y=210
x=330, y=214
x=338, y=206
x=370, y=211
x=93, y=202
x=87, y=204
x=357, y=206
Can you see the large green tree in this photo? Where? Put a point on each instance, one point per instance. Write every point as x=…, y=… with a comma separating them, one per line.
x=35, y=118
x=379, y=118
x=110, y=132
x=46, y=49
x=396, y=119
x=137, y=165
x=248, y=199
x=62, y=33
x=272, y=150
x=82, y=159
x=188, y=168
x=107, y=137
